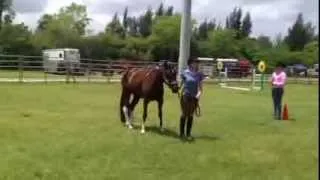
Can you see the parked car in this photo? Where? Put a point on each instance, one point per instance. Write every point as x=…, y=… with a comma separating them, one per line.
x=297, y=69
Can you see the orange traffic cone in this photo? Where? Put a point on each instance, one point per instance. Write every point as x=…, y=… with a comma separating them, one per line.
x=285, y=115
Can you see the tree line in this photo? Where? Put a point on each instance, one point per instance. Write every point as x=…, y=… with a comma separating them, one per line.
x=154, y=35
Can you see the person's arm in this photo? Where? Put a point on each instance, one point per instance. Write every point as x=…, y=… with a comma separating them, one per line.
x=182, y=79
x=200, y=89
x=272, y=79
x=284, y=79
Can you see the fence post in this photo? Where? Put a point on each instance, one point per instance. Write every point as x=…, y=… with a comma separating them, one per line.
x=253, y=77
x=20, y=67
x=109, y=71
x=219, y=76
x=226, y=72
x=89, y=70
x=262, y=81
x=45, y=76
x=44, y=72
x=309, y=80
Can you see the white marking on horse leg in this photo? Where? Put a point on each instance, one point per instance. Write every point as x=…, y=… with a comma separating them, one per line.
x=142, y=128
x=131, y=98
x=125, y=111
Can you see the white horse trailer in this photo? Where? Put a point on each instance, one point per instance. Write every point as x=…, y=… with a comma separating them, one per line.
x=60, y=60
x=206, y=66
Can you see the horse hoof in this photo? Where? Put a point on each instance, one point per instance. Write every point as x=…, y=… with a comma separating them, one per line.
x=161, y=129
x=143, y=131
x=129, y=125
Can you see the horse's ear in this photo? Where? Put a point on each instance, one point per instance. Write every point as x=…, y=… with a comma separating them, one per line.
x=165, y=64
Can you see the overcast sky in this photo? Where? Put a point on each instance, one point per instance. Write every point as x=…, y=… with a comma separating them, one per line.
x=269, y=17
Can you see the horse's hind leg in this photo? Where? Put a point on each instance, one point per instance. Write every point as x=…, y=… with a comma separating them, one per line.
x=160, y=104
x=145, y=114
x=133, y=104
x=125, y=109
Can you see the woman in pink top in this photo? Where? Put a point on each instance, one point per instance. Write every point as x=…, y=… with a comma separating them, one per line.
x=278, y=82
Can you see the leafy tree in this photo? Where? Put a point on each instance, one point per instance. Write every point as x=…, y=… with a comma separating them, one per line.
x=204, y=28
x=203, y=31
x=63, y=29
x=223, y=44
x=160, y=10
x=44, y=21
x=145, y=23
x=5, y=6
x=136, y=48
x=169, y=11
x=125, y=21
x=246, y=26
x=311, y=53
x=264, y=42
x=165, y=37
x=79, y=16
x=115, y=27
x=248, y=48
x=133, y=26
x=15, y=39
x=154, y=35
x=234, y=21
x=299, y=34
x=59, y=33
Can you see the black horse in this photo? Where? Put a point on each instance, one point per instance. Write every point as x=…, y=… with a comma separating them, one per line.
x=146, y=83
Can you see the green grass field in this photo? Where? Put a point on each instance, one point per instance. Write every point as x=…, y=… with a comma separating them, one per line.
x=59, y=131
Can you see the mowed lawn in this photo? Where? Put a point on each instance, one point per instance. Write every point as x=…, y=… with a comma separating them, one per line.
x=59, y=131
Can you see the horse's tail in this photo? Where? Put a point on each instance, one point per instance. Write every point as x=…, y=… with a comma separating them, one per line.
x=123, y=96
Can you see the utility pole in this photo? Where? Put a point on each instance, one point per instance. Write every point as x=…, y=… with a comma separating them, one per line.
x=185, y=36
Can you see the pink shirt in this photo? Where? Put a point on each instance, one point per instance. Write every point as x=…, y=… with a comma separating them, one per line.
x=279, y=80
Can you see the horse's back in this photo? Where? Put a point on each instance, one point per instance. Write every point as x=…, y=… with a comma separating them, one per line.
x=142, y=81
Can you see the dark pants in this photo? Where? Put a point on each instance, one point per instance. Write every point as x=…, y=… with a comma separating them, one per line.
x=188, y=106
x=277, y=100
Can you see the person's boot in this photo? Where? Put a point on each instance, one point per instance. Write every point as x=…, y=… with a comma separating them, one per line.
x=279, y=114
x=189, y=127
x=182, y=125
x=276, y=114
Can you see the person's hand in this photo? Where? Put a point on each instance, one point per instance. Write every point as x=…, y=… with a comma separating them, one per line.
x=198, y=95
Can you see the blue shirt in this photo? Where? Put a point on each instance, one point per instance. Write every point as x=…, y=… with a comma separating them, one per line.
x=191, y=81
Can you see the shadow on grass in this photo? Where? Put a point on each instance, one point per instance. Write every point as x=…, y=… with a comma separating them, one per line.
x=174, y=134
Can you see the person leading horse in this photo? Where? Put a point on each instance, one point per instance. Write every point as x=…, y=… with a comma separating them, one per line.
x=191, y=84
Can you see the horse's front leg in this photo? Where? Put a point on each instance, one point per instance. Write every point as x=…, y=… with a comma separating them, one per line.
x=160, y=104
x=145, y=114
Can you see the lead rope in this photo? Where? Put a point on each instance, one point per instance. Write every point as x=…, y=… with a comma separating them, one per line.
x=197, y=110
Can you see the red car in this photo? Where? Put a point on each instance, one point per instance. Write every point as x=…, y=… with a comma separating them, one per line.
x=245, y=67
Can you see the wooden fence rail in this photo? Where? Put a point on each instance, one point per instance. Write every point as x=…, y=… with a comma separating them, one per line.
x=18, y=68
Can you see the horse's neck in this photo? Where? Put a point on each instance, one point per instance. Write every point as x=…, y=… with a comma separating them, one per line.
x=159, y=74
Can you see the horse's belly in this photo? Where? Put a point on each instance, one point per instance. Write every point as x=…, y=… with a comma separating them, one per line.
x=136, y=90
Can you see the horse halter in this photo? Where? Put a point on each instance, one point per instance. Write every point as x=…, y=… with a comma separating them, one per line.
x=167, y=81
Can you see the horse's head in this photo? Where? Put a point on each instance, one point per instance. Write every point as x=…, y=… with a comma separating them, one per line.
x=170, y=76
